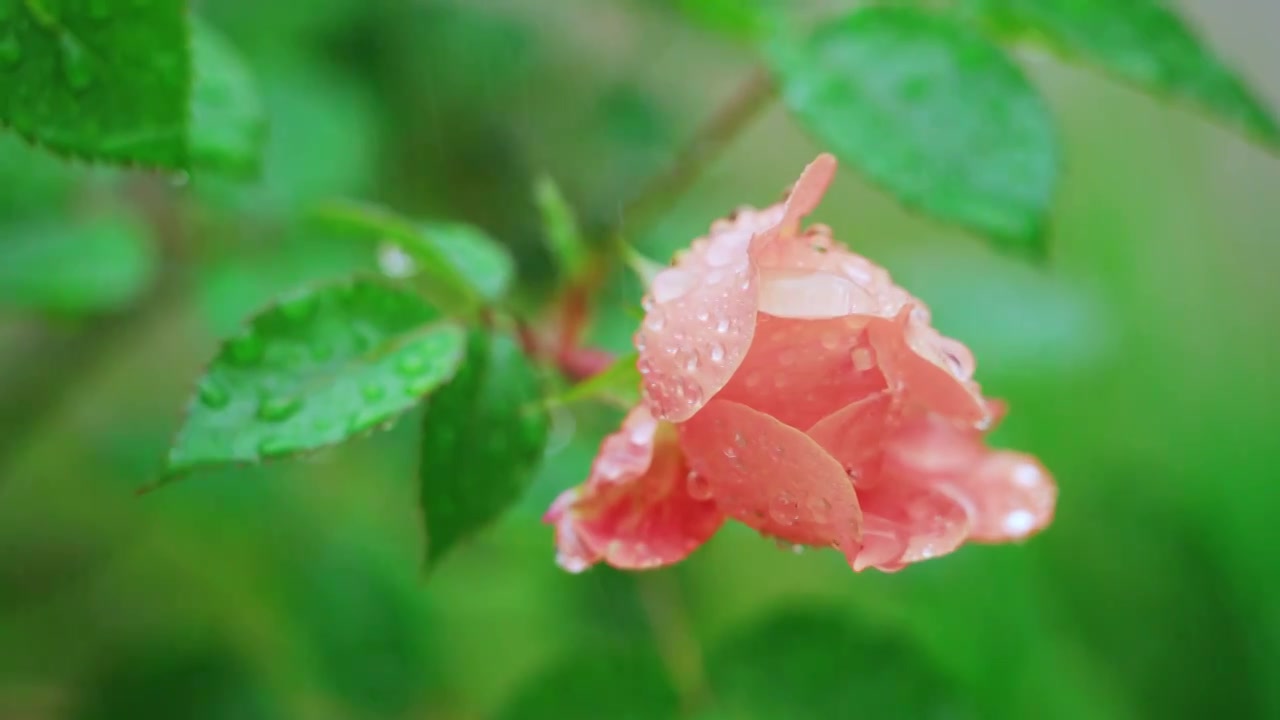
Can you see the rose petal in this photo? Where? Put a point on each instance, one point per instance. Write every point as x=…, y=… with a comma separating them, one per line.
x=635, y=510
x=930, y=371
x=800, y=371
x=700, y=317
x=772, y=477
x=1011, y=494
x=925, y=522
x=855, y=436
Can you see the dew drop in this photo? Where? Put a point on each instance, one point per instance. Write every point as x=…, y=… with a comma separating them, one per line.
x=77, y=64
x=10, y=51
x=1026, y=475
x=279, y=409
x=245, y=350
x=703, y=316
x=364, y=419
x=655, y=321
x=699, y=486
x=297, y=309
x=1019, y=522
x=421, y=385
x=672, y=284
x=863, y=359
x=213, y=394
x=784, y=509
x=411, y=363
x=819, y=508
x=691, y=364
x=717, y=353
x=394, y=262
x=722, y=326
x=373, y=391
x=272, y=445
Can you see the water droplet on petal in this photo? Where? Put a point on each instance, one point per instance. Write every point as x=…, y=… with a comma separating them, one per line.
x=672, y=284
x=810, y=295
x=699, y=486
x=691, y=364
x=655, y=321
x=279, y=409
x=863, y=359
x=1019, y=522
x=717, y=353
x=722, y=326
x=819, y=508
x=1026, y=475
x=784, y=509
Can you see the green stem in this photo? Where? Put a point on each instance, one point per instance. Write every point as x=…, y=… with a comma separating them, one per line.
x=663, y=601
x=751, y=97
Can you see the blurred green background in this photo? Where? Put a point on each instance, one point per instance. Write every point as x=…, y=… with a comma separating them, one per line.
x=1139, y=363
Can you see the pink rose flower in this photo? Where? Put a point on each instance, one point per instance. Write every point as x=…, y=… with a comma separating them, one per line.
x=791, y=386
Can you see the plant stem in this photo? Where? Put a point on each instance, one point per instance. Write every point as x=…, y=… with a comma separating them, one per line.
x=662, y=598
x=754, y=94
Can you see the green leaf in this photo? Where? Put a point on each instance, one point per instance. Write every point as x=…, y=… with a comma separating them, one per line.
x=560, y=225
x=627, y=683
x=460, y=265
x=98, y=264
x=930, y=110
x=106, y=80
x=736, y=18
x=482, y=439
x=619, y=385
x=199, y=682
x=318, y=367
x=1140, y=41
x=228, y=123
x=808, y=662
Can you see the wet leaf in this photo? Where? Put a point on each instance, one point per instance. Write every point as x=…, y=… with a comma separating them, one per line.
x=932, y=112
x=316, y=368
x=1139, y=41
x=482, y=439
x=108, y=80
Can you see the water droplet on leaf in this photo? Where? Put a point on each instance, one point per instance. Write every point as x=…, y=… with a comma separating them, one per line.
x=411, y=363
x=373, y=392
x=279, y=409
x=272, y=445
x=213, y=394
x=245, y=350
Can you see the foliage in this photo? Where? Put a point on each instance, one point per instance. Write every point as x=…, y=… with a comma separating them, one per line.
x=331, y=229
